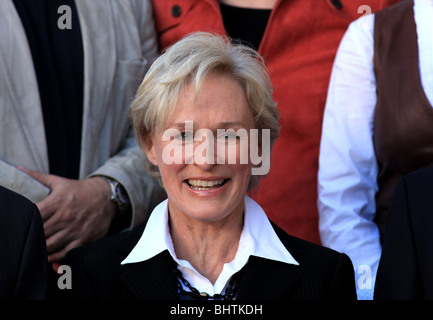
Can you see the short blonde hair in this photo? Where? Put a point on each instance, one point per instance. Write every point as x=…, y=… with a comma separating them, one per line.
x=190, y=60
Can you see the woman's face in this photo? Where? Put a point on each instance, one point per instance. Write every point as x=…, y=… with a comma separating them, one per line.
x=199, y=184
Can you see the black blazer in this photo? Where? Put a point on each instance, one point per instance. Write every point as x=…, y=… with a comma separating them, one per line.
x=406, y=265
x=23, y=253
x=97, y=273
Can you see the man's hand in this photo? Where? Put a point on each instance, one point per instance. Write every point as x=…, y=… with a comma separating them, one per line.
x=75, y=212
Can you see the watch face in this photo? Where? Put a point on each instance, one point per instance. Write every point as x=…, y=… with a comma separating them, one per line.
x=121, y=194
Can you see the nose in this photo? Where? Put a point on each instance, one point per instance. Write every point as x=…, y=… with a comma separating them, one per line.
x=204, y=149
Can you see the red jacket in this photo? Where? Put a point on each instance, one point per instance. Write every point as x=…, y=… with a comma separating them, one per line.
x=299, y=45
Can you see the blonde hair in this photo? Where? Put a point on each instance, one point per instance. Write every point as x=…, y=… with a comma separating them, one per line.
x=190, y=60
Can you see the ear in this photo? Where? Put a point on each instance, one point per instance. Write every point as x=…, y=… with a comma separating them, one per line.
x=150, y=150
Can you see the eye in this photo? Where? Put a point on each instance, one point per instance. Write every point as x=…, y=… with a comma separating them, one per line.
x=228, y=136
x=185, y=136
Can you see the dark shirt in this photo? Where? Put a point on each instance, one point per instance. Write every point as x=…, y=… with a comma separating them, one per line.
x=245, y=24
x=59, y=65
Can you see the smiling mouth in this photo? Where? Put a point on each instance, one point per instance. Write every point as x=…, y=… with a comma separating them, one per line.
x=200, y=185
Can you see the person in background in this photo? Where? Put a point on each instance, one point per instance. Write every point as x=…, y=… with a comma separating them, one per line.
x=23, y=253
x=406, y=262
x=208, y=240
x=377, y=127
x=68, y=71
x=298, y=40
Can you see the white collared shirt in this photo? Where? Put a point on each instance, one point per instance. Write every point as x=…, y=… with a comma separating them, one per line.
x=347, y=163
x=258, y=238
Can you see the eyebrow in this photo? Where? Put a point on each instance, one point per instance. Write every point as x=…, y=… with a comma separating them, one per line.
x=220, y=125
x=230, y=124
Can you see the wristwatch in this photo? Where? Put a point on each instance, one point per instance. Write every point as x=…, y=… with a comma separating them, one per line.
x=118, y=196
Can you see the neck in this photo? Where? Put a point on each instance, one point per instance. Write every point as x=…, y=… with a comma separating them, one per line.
x=206, y=245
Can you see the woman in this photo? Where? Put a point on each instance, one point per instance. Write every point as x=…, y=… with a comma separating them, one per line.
x=208, y=240
x=298, y=40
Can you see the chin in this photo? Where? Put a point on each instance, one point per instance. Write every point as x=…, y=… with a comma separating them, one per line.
x=209, y=213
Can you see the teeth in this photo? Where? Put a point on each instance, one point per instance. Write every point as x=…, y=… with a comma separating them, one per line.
x=203, y=184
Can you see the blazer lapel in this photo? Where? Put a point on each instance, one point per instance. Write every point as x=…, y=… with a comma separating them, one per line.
x=153, y=279
x=264, y=279
x=96, y=22
x=16, y=64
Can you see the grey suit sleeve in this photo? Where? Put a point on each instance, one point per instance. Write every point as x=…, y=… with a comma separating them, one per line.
x=126, y=166
x=14, y=179
x=143, y=190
